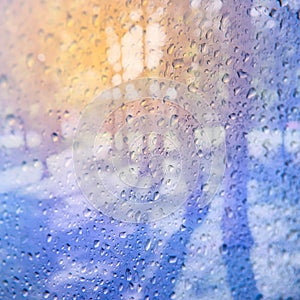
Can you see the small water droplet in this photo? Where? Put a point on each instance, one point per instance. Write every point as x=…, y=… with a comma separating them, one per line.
x=203, y=48
x=223, y=249
x=3, y=81
x=96, y=243
x=123, y=194
x=174, y=120
x=226, y=78
x=161, y=122
x=30, y=60
x=171, y=48
x=251, y=93
x=156, y=196
x=25, y=292
x=129, y=119
x=171, y=168
x=46, y=294
x=128, y=275
x=148, y=245
x=178, y=63
x=55, y=137
x=192, y=87
x=123, y=235
x=104, y=78
x=172, y=259
x=87, y=213
x=229, y=212
x=232, y=116
x=138, y=216
x=49, y=238
x=229, y=61
x=69, y=20
x=41, y=57
x=242, y=74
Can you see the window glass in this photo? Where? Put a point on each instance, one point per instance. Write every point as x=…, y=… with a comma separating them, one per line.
x=149, y=149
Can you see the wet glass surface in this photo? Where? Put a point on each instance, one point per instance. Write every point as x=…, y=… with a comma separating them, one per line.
x=149, y=149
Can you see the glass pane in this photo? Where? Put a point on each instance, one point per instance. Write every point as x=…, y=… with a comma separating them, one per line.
x=149, y=149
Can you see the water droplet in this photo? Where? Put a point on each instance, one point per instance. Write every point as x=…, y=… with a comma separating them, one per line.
x=3, y=81
x=229, y=61
x=129, y=119
x=87, y=213
x=104, y=79
x=46, y=294
x=161, y=122
x=96, y=243
x=242, y=74
x=251, y=93
x=192, y=87
x=30, y=60
x=170, y=49
x=25, y=292
x=156, y=196
x=128, y=275
x=178, y=63
x=172, y=259
x=123, y=235
x=229, y=212
x=226, y=78
x=55, y=137
x=148, y=244
x=41, y=57
x=203, y=48
x=232, y=116
x=174, y=120
x=49, y=238
x=69, y=21
x=123, y=194
x=138, y=216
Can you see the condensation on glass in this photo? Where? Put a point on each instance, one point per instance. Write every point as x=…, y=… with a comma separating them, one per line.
x=108, y=108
